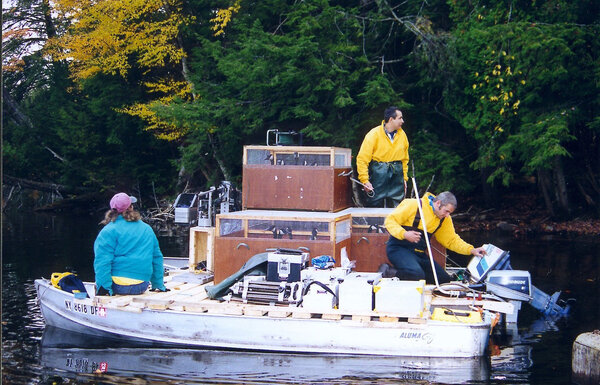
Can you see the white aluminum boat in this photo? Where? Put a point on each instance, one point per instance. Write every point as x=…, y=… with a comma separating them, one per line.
x=185, y=316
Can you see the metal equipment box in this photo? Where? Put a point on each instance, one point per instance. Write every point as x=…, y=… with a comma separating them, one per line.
x=186, y=209
x=256, y=289
x=479, y=267
x=296, y=178
x=316, y=282
x=286, y=265
x=243, y=234
x=402, y=298
x=356, y=292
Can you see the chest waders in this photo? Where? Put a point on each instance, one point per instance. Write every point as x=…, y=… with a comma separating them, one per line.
x=387, y=179
x=421, y=246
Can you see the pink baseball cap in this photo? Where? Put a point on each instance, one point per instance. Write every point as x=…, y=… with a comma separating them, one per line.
x=121, y=202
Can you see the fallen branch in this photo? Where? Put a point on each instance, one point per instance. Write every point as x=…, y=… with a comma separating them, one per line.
x=42, y=186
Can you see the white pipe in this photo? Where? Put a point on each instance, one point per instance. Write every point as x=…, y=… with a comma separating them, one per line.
x=437, y=284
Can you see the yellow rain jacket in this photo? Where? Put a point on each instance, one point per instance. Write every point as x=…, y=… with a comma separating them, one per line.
x=404, y=215
x=378, y=147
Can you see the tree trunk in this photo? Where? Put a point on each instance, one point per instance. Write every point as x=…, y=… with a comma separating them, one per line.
x=14, y=110
x=215, y=152
x=543, y=185
x=588, y=199
x=561, y=187
x=48, y=22
x=490, y=194
x=592, y=179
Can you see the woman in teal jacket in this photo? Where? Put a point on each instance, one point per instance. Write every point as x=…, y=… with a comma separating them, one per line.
x=127, y=256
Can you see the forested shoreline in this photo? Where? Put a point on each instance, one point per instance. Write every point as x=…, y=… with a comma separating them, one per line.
x=500, y=98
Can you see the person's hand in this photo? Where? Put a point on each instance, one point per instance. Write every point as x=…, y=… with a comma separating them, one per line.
x=368, y=187
x=478, y=251
x=412, y=236
x=102, y=291
x=164, y=289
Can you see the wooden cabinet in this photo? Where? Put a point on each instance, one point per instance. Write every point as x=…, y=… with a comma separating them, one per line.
x=369, y=237
x=243, y=234
x=368, y=250
x=235, y=251
x=201, y=247
x=296, y=178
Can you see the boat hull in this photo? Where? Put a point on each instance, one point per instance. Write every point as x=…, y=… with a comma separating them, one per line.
x=205, y=329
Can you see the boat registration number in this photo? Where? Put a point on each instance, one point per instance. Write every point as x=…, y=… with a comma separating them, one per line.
x=84, y=365
x=78, y=307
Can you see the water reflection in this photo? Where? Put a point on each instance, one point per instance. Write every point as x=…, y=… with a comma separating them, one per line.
x=61, y=351
x=511, y=349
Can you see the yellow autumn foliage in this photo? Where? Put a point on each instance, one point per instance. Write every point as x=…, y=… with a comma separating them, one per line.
x=114, y=36
x=105, y=35
x=223, y=18
x=496, y=93
x=160, y=128
x=164, y=91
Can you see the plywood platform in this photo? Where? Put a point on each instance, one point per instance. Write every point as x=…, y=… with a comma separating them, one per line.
x=192, y=297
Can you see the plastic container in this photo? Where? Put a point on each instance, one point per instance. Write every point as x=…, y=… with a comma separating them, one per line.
x=403, y=298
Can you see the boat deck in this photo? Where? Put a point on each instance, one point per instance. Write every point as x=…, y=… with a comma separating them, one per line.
x=192, y=297
x=187, y=296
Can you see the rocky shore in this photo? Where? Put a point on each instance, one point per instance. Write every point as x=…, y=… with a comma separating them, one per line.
x=522, y=216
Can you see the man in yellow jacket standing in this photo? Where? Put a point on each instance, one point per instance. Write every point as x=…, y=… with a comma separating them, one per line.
x=382, y=161
x=406, y=248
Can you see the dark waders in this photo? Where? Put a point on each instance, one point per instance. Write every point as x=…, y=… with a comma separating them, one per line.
x=411, y=259
x=387, y=179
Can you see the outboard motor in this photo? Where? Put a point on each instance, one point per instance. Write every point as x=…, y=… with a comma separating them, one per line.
x=494, y=270
x=548, y=304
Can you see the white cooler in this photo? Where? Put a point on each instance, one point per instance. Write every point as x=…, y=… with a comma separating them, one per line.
x=356, y=292
x=402, y=298
x=318, y=299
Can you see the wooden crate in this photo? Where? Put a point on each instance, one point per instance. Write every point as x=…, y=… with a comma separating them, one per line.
x=369, y=239
x=202, y=240
x=296, y=178
x=243, y=234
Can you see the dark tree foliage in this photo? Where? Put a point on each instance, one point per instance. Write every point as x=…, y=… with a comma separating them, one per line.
x=525, y=89
x=77, y=138
x=497, y=96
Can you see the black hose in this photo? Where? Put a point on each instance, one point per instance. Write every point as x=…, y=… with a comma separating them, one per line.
x=322, y=285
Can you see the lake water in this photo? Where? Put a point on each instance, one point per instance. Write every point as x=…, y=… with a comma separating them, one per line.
x=538, y=351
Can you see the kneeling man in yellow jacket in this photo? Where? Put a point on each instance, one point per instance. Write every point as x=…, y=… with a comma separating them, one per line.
x=406, y=248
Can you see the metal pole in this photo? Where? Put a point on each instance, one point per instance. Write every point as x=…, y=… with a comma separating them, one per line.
x=370, y=193
x=437, y=284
